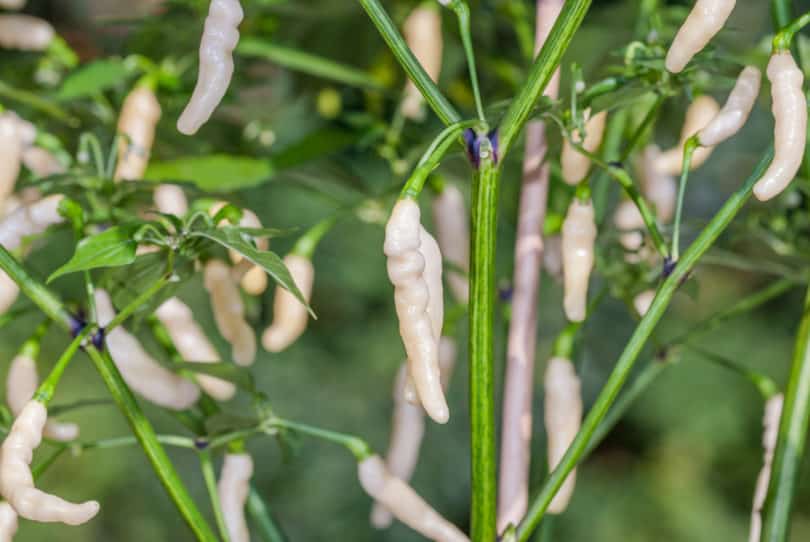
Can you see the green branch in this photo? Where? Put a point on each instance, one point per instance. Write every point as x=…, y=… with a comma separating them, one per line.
x=792, y=439
x=634, y=347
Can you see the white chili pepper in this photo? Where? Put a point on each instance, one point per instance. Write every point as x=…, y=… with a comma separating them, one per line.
x=21, y=384
x=233, y=488
x=563, y=416
x=408, y=427
x=643, y=301
x=699, y=114
x=407, y=272
x=578, y=238
x=290, y=316
x=660, y=189
x=170, y=199
x=705, y=20
x=139, y=116
x=404, y=502
x=30, y=219
x=218, y=41
x=790, y=130
x=25, y=33
x=453, y=233
x=552, y=256
x=41, y=162
x=575, y=165
x=10, y=156
x=770, y=423
x=12, y=4
x=9, y=291
x=423, y=33
x=143, y=374
x=229, y=312
x=8, y=522
x=735, y=112
x=193, y=345
x=254, y=281
x=17, y=483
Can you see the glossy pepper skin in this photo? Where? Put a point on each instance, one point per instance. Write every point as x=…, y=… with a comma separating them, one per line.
x=705, y=20
x=734, y=114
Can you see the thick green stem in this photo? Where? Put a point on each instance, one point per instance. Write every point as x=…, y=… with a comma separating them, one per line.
x=482, y=403
x=792, y=439
x=396, y=43
x=34, y=290
x=634, y=347
x=541, y=72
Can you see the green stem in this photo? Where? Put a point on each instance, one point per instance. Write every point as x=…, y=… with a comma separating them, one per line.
x=35, y=101
x=634, y=347
x=130, y=309
x=689, y=149
x=641, y=131
x=207, y=468
x=611, y=147
x=46, y=390
x=261, y=518
x=765, y=385
x=396, y=43
x=792, y=439
x=462, y=11
x=307, y=243
x=355, y=445
x=34, y=290
x=482, y=403
x=571, y=16
x=783, y=41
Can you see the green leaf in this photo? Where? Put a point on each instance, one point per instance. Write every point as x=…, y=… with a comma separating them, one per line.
x=92, y=79
x=226, y=371
x=215, y=173
x=112, y=248
x=231, y=238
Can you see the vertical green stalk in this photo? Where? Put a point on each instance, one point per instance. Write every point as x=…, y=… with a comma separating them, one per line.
x=207, y=468
x=261, y=518
x=634, y=347
x=792, y=439
x=482, y=402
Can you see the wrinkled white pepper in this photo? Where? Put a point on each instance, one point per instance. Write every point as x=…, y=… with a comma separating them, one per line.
x=453, y=234
x=25, y=33
x=233, y=488
x=8, y=522
x=578, y=238
x=770, y=425
x=563, y=416
x=229, y=312
x=290, y=316
x=423, y=33
x=575, y=165
x=139, y=116
x=705, y=20
x=736, y=110
x=698, y=115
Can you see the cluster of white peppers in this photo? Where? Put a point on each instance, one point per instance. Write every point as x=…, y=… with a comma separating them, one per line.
x=414, y=267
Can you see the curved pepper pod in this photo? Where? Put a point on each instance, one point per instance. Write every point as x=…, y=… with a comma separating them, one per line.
x=25, y=33
x=453, y=234
x=170, y=199
x=770, y=425
x=12, y=4
x=423, y=33
x=790, y=129
x=17, y=483
x=233, y=489
x=563, y=416
x=29, y=219
x=407, y=272
x=42, y=163
x=578, y=238
x=140, y=371
x=575, y=165
x=661, y=189
x=705, y=20
x=736, y=110
x=643, y=301
x=8, y=522
x=699, y=114
x=21, y=384
x=404, y=502
x=229, y=312
x=193, y=346
x=10, y=156
x=139, y=116
x=219, y=39
x=290, y=316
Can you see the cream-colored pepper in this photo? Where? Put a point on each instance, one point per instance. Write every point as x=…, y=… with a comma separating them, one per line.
x=790, y=129
x=25, y=33
x=575, y=165
x=404, y=502
x=218, y=41
x=770, y=425
x=736, y=110
x=17, y=483
x=578, y=238
x=8, y=522
x=705, y=20
x=563, y=417
x=423, y=33
x=193, y=345
x=453, y=234
x=139, y=116
x=229, y=312
x=140, y=371
x=290, y=316
x=233, y=489
x=699, y=114
x=10, y=156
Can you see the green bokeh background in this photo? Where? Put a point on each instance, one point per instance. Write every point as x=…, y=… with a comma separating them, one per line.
x=680, y=468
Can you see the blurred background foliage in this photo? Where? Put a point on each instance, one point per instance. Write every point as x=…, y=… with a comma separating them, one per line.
x=680, y=467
